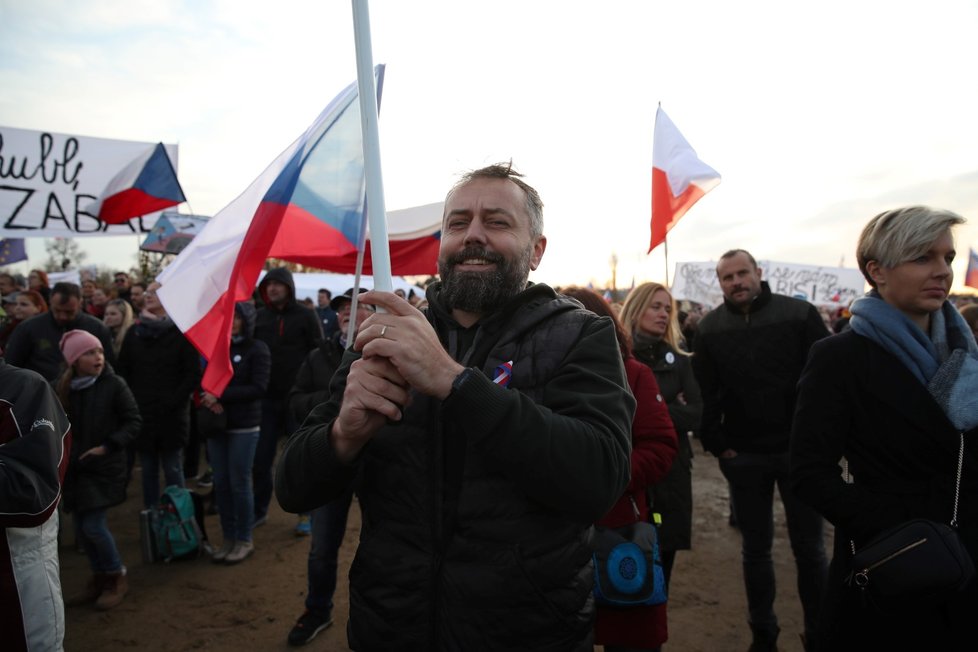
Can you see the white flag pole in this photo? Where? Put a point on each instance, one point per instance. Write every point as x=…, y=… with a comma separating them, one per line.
x=376, y=208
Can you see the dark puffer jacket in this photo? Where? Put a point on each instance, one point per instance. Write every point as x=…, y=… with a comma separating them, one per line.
x=290, y=332
x=162, y=369
x=477, y=509
x=252, y=364
x=103, y=414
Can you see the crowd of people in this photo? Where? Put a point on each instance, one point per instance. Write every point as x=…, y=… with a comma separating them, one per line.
x=488, y=428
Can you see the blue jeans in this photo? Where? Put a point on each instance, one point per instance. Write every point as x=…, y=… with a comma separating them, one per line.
x=752, y=477
x=275, y=421
x=103, y=555
x=172, y=473
x=231, y=456
x=328, y=528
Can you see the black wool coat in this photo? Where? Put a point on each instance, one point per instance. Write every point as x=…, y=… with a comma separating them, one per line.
x=102, y=414
x=162, y=369
x=858, y=401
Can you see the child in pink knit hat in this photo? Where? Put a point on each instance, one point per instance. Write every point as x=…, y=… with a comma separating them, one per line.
x=75, y=344
x=104, y=419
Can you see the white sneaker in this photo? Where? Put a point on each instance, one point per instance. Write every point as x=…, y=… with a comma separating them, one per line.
x=221, y=553
x=241, y=551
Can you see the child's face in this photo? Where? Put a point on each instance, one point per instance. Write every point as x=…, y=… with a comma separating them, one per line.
x=91, y=362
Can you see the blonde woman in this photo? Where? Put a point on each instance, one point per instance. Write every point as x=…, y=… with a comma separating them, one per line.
x=118, y=317
x=651, y=319
x=896, y=397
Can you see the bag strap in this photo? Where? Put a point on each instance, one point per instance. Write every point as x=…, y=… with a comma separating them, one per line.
x=957, y=486
x=957, y=483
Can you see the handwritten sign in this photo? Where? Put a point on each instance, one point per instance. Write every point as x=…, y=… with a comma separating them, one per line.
x=48, y=179
x=822, y=286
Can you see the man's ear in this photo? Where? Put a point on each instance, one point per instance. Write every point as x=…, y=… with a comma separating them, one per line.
x=539, y=247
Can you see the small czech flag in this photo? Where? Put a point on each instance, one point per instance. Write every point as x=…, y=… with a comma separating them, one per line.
x=504, y=373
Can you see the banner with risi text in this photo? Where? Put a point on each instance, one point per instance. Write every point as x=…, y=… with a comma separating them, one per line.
x=822, y=286
x=48, y=180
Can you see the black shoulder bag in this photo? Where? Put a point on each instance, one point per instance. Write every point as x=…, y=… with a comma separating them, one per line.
x=919, y=560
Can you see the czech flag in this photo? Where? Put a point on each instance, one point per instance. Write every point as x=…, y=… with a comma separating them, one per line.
x=146, y=185
x=971, y=276
x=306, y=207
x=679, y=177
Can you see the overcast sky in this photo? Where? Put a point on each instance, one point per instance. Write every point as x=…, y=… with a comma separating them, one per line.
x=818, y=115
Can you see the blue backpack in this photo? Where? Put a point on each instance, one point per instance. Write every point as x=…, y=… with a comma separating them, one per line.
x=175, y=526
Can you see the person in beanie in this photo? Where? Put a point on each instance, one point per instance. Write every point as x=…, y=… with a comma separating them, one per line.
x=104, y=420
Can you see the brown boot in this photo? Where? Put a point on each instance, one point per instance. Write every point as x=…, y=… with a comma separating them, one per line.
x=115, y=588
x=88, y=595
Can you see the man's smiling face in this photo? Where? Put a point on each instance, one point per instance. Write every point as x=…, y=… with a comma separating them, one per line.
x=487, y=249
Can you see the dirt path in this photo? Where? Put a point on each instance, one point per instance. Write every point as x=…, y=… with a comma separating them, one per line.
x=198, y=605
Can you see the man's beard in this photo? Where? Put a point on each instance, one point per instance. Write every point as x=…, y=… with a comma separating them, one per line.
x=483, y=292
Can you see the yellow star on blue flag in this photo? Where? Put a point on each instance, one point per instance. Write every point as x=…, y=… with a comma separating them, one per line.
x=12, y=250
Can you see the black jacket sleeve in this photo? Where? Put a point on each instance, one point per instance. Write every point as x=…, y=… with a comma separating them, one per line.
x=36, y=445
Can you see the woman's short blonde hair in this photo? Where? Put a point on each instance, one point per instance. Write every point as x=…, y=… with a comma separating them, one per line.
x=896, y=236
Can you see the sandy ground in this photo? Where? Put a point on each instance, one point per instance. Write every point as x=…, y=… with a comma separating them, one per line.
x=197, y=605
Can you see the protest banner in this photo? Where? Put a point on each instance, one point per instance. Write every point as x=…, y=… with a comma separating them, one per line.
x=821, y=286
x=48, y=180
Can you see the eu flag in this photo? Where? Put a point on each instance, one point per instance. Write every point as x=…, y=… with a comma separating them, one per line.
x=12, y=250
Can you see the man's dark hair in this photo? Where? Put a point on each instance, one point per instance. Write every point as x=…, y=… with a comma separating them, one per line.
x=141, y=284
x=66, y=290
x=534, y=205
x=735, y=252
x=328, y=293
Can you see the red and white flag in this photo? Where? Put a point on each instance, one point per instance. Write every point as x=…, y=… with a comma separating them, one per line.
x=679, y=177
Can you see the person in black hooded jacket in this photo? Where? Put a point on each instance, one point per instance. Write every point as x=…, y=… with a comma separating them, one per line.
x=232, y=451
x=291, y=331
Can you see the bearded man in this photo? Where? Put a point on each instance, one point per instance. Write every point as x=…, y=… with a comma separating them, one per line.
x=488, y=435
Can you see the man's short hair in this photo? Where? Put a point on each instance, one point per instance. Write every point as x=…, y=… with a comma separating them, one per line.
x=66, y=290
x=902, y=234
x=328, y=293
x=736, y=252
x=534, y=205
